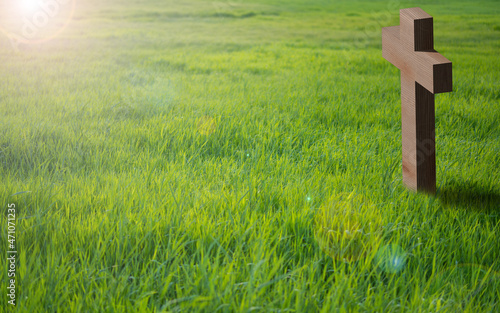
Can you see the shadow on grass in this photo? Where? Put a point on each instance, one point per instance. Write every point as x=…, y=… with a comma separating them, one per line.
x=470, y=196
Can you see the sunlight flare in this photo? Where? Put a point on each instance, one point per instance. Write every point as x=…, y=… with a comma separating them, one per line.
x=34, y=21
x=29, y=6
x=348, y=227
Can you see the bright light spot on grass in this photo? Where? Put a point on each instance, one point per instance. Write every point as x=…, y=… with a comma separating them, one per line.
x=391, y=258
x=347, y=227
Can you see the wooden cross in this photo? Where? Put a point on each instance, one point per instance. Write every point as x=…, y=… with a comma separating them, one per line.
x=424, y=72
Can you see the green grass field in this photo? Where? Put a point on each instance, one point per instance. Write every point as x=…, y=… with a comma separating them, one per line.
x=245, y=156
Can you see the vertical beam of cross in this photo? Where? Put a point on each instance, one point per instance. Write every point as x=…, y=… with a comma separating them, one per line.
x=424, y=72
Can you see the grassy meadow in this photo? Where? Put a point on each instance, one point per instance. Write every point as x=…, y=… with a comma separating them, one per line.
x=245, y=156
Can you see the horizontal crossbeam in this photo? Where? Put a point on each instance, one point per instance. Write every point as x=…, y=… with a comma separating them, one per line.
x=429, y=68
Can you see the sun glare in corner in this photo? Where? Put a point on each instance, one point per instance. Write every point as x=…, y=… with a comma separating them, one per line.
x=34, y=21
x=29, y=5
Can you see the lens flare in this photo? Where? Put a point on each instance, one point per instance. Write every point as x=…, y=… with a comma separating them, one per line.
x=34, y=21
x=391, y=258
x=29, y=5
x=347, y=227
x=207, y=125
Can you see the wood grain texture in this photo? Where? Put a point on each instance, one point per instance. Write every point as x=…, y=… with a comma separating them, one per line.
x=429, y=68
x=424, y=72
x=409, y=131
